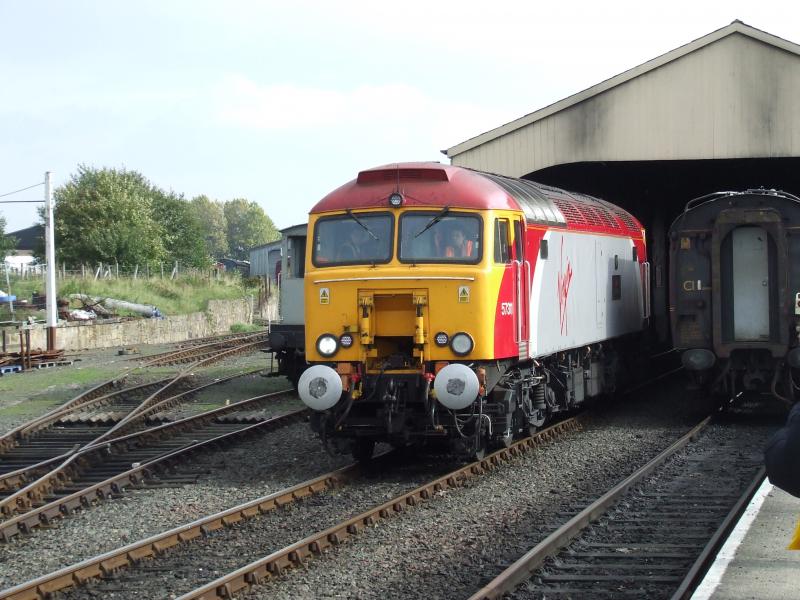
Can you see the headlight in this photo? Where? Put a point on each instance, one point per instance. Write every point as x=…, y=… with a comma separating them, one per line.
x=327, y=345
x=346, y=340
x=441, y=339
x=461, y=344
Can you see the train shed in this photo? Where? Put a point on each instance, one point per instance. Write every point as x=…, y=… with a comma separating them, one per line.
x=719, y=113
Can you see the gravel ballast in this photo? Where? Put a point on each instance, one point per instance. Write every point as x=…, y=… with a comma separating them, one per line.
x=445, y=548
x=243, y=472
x=450, y=547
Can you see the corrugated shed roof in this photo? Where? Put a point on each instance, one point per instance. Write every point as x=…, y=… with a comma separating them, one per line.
x=737, y=27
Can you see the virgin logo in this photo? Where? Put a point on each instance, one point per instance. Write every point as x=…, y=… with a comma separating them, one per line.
x=564, y=279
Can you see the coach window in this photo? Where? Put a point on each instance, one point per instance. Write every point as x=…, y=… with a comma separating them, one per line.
x=353, y=239
x=501, y=254
x=297, y=249
x=440, y=237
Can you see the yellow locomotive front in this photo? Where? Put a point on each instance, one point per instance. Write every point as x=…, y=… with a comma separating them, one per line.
x=395, y=295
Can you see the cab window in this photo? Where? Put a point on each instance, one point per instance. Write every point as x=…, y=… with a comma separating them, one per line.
x=353, y=239
x=501, y=253
x=437, y=237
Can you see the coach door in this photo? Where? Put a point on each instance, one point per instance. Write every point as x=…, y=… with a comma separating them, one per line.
x=749, y=272
x=522, y=288
x=751, y=284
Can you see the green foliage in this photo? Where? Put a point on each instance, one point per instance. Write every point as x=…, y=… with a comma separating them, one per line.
x=211, y=215
x=183, y=237
x=114, y=215
x=248, y=226
x=107, y=215
x=7, y=243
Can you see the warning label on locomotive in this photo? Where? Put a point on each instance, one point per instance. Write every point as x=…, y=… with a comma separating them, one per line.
x=324, y=296
x=463, y=293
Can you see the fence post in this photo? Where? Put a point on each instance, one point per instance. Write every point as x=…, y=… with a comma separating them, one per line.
x=162, y=270
x=136, y=271
x=116, y=264
x=174, y=271
x=99, y=268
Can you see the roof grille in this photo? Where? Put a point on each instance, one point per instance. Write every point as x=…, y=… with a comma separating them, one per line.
x=572, y=212
x=626, y=218
x=400, y=174
x=604, y=218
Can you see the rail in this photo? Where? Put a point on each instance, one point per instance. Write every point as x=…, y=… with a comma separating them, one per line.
x=22, y=502
x=105, y=564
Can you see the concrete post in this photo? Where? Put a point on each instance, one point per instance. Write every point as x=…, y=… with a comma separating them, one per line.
x=50, y=255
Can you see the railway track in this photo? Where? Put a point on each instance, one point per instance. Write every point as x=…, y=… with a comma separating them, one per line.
x=95, y=472
x=42, y=451
x=35, y=465
x=655, y=533
x=32, y=447
x=295, y=554
x=205, y=350
x=109, y=392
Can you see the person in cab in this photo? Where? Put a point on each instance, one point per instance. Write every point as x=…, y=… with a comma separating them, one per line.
x=458, y=245
x=353, y=247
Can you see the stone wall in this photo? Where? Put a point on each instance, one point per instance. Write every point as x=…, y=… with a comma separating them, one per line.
x=215, y=320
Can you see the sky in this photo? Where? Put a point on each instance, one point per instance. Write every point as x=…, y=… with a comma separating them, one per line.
x=282, y=102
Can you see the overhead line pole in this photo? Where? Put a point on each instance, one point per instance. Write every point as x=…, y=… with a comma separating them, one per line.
x=50, y=257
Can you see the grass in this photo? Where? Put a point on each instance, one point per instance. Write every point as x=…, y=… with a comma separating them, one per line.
x=183, y=295
x=27, y=395
x=44, y=379
x=245, y=328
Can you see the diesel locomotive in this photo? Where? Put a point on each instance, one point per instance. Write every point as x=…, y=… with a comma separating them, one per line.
x=447, y=306
x=735, y=291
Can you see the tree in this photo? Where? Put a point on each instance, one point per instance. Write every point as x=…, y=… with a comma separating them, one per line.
x=183, y=235
x=248, y=226
x=107, y=215
x=211, y=216
x=7, y=243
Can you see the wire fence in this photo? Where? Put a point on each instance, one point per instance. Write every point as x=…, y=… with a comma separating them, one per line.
x=25, y=272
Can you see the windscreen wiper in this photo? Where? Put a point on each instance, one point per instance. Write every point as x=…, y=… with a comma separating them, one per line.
x=433, y=221
x=360, y=222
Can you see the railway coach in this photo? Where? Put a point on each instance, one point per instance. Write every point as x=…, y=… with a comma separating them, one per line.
x=735, y=291
x=446, y=305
